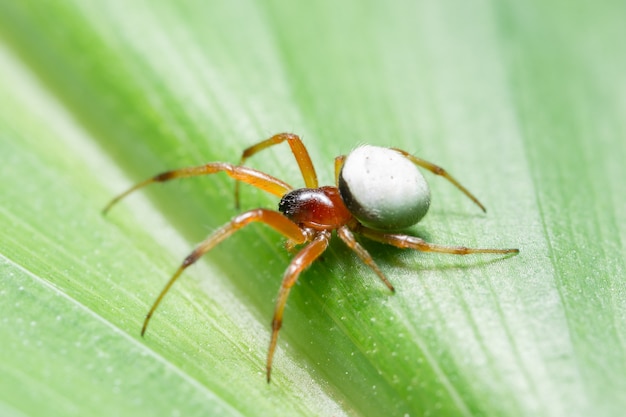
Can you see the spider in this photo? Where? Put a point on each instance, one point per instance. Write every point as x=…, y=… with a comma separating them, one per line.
x=378, y=192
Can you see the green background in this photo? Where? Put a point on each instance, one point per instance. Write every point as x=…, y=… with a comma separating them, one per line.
x=524, y=102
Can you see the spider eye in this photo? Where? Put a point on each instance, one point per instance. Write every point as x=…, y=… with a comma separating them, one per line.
x=383, y=189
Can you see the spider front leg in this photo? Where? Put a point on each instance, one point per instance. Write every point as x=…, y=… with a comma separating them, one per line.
x=272, y=218
x=299, y=152
x=413, y=242
x=251, y=176
x=437, y=170
x=302, y=260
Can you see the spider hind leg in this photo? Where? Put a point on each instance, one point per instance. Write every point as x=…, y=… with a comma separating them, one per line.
x=348, y=238
x=403, y=241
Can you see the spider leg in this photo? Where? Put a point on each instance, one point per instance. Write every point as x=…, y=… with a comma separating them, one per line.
x=272, y=218
x=248, y=175
x=346, y=235
x=299, y=152
x=338, y=164
x=437, y=170
x=412, y=242
x=300, y=262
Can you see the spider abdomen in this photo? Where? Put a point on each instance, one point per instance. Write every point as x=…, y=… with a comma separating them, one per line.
x=319, y=208
x=383, y=189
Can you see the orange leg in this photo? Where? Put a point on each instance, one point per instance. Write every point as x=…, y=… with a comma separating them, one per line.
x=299, y=152
x=346, y=235
x=437, y=170
x=272, y=218
x=248, y=175
x=413, y=242
x=302, y=260
x=339, y=160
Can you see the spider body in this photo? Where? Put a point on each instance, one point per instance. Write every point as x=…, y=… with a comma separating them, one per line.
x=377, y=191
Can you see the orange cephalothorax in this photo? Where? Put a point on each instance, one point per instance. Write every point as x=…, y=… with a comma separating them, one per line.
x=318, y=208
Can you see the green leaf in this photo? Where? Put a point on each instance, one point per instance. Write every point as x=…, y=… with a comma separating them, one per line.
x=523, y=102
